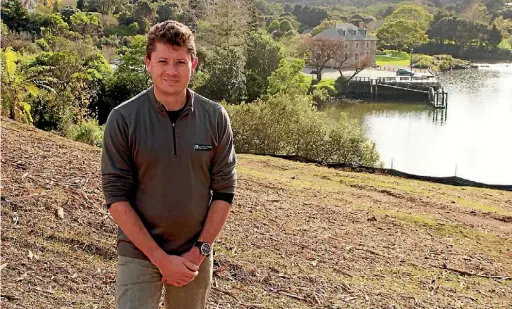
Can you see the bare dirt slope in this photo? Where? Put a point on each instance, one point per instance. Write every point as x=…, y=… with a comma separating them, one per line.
x=300, y=236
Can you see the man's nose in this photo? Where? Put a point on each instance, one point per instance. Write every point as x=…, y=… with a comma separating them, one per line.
x=171, y=69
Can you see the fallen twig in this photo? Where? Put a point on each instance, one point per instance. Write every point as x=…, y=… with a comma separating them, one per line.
x=467, y=273
x=252, y=305
x=226, y=292
x=283, y=292
x=9, y=297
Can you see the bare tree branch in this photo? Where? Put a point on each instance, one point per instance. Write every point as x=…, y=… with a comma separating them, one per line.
x=322, y=51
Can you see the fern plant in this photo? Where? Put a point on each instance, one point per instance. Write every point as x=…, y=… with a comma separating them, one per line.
x=18, y=86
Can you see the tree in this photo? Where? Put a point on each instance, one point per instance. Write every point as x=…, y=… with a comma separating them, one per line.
x=226, y=79
x=17, y=87
x=324, y=25
x=144, y=14
x=401, y=34
x=494, y=36
x=274, y=25
x=309, y=16
x=494, y=5
x=504, y=25
x=132, y=66
x=14, y=15
x=54, y=24
x=322, y=51
x=81, y=5
x=476, y=12
x=445, y=29
x=67, y=12
x=256, y=19
x=225, y=25
x=104, y=6
x=85, y=23
x=167, y=11
x=70, y=80
x=285, y=25
x=411, y=12
x=263, y=57
x=288, y=78
x=359, y=66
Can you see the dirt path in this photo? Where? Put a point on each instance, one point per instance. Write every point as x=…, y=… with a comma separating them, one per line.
x=300, y=236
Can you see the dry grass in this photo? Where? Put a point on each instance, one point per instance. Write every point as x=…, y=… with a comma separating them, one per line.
x=300, y=236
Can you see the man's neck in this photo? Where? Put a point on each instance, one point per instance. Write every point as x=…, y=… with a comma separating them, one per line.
x=171, y=102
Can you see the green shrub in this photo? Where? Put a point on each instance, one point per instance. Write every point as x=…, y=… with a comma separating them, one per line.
x=291, y=125
x=422, y=61
x=89, y=132
x=326, y=84
x=341, y=85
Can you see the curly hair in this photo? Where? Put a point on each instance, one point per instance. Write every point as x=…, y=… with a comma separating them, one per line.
x=173, y=33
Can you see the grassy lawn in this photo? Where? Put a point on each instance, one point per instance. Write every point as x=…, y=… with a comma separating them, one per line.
x=323, y=82
x=389, y=60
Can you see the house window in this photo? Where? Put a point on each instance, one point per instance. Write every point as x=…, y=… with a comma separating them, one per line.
x=367, y=44
x=357, y=57
x=357, y=45
x=346, y=56
x=346, y=46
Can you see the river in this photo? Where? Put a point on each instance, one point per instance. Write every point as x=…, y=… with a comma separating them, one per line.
x=471, y=139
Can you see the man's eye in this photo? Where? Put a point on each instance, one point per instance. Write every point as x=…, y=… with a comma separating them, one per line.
x=162, y=61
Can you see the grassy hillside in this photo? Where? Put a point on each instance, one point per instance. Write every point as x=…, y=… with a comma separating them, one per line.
x=299, y=236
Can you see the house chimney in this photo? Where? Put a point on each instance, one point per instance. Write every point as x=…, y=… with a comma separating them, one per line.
x=361, y=25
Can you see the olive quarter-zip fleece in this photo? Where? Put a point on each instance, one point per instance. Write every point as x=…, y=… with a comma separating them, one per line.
x=167, y=172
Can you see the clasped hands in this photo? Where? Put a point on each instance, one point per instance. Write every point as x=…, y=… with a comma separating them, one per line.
x=179, y=271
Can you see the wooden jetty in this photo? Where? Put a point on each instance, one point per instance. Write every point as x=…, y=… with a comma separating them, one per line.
x=426, y=85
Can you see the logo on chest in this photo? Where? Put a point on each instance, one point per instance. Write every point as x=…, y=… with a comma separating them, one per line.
x=199, y=147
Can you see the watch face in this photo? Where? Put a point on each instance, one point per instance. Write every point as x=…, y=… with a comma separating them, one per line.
x=205, y=249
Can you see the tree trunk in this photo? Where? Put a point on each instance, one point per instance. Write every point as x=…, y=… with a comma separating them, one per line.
x=12, y=112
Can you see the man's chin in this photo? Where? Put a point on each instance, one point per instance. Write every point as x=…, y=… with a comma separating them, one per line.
x=171, y=90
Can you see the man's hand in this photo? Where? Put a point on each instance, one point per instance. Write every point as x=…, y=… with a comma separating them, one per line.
x=194, y=256
x=177, y=271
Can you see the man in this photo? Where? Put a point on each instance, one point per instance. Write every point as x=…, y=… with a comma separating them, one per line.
x=168, y=171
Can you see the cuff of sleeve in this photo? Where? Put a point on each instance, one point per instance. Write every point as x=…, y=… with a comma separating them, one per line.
x=114, y=199
x=227, y=197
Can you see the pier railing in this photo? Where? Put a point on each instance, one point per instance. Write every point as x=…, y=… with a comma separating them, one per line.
x=394, y=69
x=402, y=79
x=427, y=85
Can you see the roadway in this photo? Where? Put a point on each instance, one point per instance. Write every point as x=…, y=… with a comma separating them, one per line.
x=370, y=72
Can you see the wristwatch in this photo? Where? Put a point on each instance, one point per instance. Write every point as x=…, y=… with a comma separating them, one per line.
x=204, y=248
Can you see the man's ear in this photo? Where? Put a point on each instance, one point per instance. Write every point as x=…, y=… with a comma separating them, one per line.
x=195, y=62
x=147, y=61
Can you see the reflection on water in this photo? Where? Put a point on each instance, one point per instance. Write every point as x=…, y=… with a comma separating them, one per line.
x=439, y=116
x=474, y=142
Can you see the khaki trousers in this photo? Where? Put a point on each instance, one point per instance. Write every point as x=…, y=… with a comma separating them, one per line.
x=139, y=286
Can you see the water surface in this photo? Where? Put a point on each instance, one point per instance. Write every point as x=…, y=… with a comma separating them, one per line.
x=471, y=139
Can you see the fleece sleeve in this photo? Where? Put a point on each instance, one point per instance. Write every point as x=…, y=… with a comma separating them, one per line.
x=117, y=168
x=222, y=172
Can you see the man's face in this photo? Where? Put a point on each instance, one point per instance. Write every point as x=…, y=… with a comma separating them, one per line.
x=171, y=68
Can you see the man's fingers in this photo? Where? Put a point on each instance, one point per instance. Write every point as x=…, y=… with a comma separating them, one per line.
x=190, y=265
